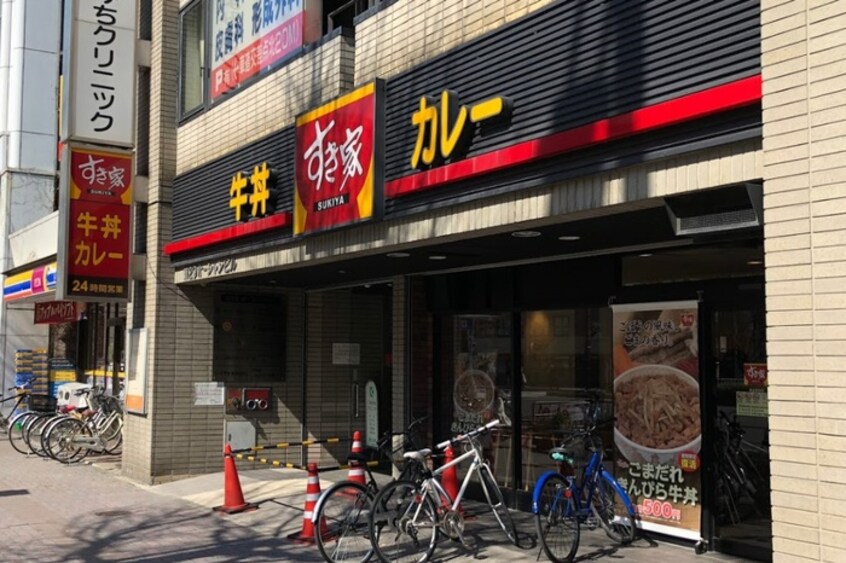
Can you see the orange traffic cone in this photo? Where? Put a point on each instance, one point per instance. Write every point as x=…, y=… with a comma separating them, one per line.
x=356, y=473
x=449, y=478
x=233, y=498
x=306, y=535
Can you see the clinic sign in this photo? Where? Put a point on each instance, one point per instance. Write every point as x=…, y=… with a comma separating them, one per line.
x=95, y=224
x=337, y=168
x=99, y=72
x=248, y=36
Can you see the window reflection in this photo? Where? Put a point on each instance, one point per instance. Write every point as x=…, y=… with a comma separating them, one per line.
x=477, y=383
x=564, y=352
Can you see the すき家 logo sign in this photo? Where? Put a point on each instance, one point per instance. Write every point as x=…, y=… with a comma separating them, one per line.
x=338, y=173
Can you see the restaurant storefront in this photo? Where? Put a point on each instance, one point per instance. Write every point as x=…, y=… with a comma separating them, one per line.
x=563, y=208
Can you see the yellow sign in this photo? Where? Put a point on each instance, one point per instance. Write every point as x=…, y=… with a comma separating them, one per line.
x=443, y=126
x=252, y=196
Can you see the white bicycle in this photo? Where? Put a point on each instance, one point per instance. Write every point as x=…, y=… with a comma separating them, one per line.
x=407, y=516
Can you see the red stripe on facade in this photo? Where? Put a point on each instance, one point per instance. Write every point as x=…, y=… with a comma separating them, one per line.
x=277, y=221
x=701, y=104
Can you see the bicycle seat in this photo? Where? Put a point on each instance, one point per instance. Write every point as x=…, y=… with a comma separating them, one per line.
x=418, y=455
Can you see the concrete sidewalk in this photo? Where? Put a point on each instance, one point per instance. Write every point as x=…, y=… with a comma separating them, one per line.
x=53, y=513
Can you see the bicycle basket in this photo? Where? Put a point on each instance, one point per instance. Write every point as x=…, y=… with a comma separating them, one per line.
x=42, y=403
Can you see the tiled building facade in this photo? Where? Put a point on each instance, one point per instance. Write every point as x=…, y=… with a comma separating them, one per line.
x=802, y=52
x=794, y=152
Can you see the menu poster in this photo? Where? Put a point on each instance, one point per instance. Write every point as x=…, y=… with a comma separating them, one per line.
x=658, y=427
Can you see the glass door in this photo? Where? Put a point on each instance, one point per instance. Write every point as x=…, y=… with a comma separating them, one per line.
x=349, y=369
x=740, y=504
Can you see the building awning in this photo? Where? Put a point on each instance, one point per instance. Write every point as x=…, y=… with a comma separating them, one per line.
x=33, y=284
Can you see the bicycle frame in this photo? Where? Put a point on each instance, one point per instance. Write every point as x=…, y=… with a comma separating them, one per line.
x=594, y=471
x=440, y=491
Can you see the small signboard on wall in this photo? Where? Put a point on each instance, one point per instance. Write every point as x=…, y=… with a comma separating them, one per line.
x=136, y=377
x=346, y=353
x=371, y=414
x=208, y=393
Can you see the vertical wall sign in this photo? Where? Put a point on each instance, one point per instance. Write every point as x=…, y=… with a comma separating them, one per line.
x=338, y=171
x=99, y=72
x=658, y=425
x=94, y=223
x=136, y=378
x=249, y=36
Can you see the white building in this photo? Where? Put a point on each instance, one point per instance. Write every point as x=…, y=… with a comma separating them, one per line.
x=30, y=58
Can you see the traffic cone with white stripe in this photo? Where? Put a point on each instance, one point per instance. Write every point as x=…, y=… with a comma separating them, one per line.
x=306, y=535
x=356, y=473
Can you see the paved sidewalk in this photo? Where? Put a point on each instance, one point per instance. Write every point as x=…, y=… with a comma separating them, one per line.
x=87, y=513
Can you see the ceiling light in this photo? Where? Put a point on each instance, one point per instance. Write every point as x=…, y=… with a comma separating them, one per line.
x=397, y=254
x=525, y=234
x=755, y=262
x=568, y=238
x=645, y=255
x=437, y=257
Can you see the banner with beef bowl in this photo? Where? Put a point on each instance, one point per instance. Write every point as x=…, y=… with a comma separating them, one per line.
x=658, y=428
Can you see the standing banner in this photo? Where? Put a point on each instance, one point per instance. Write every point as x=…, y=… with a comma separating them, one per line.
x=658, y=428
x=94, y=224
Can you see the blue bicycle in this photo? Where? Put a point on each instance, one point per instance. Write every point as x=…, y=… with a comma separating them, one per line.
x=561, y=503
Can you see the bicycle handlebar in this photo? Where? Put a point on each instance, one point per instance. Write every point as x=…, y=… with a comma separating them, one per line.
x=383, y=441
x=467, y=436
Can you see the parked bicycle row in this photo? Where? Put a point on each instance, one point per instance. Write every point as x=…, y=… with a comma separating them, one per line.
x=404, y=520
x=68, y=433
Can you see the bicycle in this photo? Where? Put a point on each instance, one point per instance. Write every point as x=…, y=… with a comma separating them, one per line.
x=741, y=489
x=97, y=428
x=561, y=503
x=341, y=514
x=38, y=406
x=415, y=512
x=20, y=397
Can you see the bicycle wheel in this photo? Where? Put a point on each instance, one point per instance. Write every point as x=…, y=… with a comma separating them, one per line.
x=33, y=432
x=343, y=531
x=556, y=520
x=619, y=525
x=112, y=435
x=403, y=523
x=497, y=502
x=61, y=443
x=16, y=431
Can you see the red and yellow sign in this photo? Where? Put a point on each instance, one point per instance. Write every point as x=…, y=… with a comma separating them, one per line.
x=97, y=255
x=338, y=177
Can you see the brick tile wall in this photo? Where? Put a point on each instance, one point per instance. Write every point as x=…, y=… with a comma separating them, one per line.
x=804, y=44
x=410, y=31
x=268, y=105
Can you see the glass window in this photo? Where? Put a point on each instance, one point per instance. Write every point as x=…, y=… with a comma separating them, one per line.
x=563, y=353
x=248, y=330
x=192, y=57
x=477, y=382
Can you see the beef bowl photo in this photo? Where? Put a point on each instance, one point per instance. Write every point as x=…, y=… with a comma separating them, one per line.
x=656, y=414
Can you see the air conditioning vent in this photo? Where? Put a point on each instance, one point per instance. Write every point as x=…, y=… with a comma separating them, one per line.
x=717, y=211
